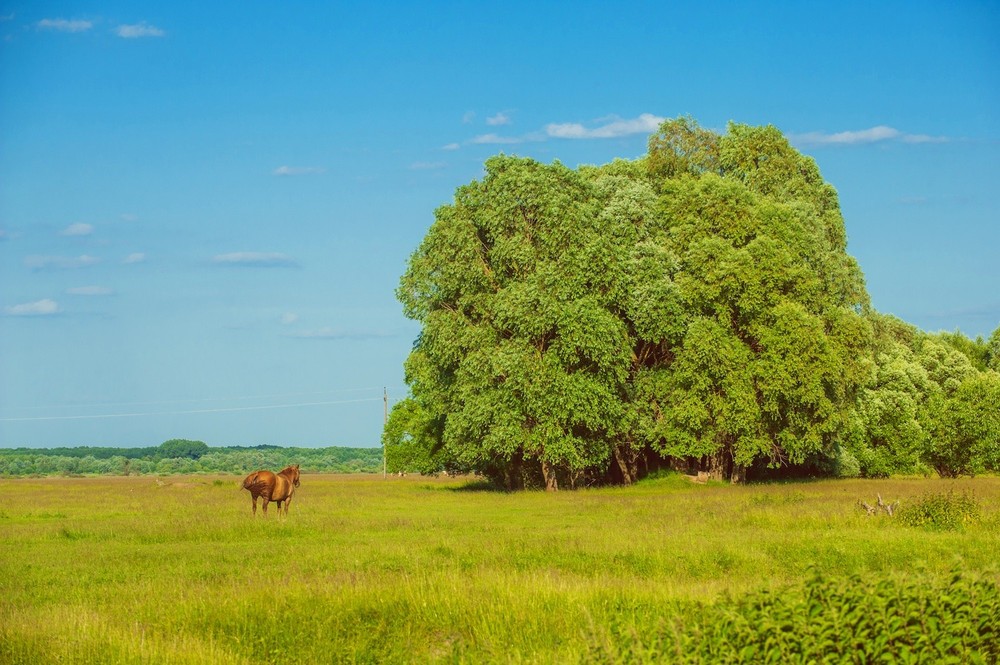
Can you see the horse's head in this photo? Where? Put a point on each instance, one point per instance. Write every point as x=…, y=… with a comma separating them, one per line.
x=295, y=475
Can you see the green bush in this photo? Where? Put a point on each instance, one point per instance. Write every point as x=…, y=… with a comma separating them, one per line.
x=846, y=465
x=824, y=619
x=943, y=510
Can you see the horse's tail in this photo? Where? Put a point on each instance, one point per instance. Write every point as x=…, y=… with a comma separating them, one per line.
x=250, y=481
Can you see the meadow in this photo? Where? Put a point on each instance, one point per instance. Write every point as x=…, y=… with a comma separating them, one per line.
x=364, y=569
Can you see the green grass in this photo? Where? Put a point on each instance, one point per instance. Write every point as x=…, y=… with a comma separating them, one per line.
x=421, y=570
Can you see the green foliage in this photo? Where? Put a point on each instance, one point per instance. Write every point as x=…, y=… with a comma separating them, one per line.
x=698, y=304
x=887, y=433
x=183, y=448
x=681, y=147
x=928, y=402
x=977, y=350
x=408, y=442
x=993, y=351
x=827, y=618
x=964, y=427
x=845, y=465
x=941, y=510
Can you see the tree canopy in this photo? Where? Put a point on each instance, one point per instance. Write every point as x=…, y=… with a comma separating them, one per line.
x=695, y=307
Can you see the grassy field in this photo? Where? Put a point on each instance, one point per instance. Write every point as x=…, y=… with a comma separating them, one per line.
x=175, y=569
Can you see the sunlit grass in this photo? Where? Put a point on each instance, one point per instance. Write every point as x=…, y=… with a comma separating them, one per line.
x=417, y=569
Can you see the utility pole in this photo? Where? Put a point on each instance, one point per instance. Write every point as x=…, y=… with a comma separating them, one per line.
x=385, y=421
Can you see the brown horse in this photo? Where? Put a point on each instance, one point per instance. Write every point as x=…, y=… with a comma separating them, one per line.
x=269, y=486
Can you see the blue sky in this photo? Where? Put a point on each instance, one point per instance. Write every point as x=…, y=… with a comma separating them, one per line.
x=205, y=208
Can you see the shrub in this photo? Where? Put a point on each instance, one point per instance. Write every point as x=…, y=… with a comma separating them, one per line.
x=846, y=465
x=943, y=510
x=954, y=618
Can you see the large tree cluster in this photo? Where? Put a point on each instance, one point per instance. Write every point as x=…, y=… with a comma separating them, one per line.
x=695, y=307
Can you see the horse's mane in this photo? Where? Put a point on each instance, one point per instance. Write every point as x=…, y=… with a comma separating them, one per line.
x=290, y=469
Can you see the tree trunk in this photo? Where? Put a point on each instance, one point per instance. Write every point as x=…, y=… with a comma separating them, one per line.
x=628, y=462
x=739, y=475
x=626, y=476
x=515, y=479
x=715, y=465
x=722, y=466
x=549, y=472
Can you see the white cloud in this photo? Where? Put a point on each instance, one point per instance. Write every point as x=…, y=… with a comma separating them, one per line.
x=498, y=119
x=427, y=166
x=923, y=138
x=38, y=262
x=451, y=146
x=37, y=308
x=78, y=229
x=90, y=291
x=493, y=138
x=128, y=217
x=298, y=170
x=468, y=117
x=255, y=260
x=644, y=124
x=288, y=318
x=137, y=30
x=135, y=257
x=862, y=137
x=62, y=25
x=611, y=127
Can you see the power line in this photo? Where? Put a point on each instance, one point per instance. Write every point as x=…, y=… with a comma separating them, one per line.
x=193, y=401
x=192, y=411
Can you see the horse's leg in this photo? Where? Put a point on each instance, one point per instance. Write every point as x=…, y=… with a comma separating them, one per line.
x=254, y=497
x=266, y=499
x=279, y=506
x=288, y=502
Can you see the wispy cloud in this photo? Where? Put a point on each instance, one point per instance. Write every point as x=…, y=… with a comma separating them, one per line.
x=63, y=25
x=451, y=146
x=135, y=257
x=90, y=291
x=427, y=166
x=495, y=138
x=38, y=262
x=500, y=118
x=37, y=308
x=468, y=117
x=128, y=217
x=298, y=170
x=616, y=127
x=988, y=310
x=137, y=30
x=78, y=229
x=606, y=128
x=923, y=138
x=288, y=318
x=863, y=137
x=338, y=333
x=255, y=260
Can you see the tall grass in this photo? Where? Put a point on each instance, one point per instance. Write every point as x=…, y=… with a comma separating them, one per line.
x=417, y=569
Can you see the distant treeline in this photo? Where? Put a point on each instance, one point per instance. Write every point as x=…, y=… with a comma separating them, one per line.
x=184, y=456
